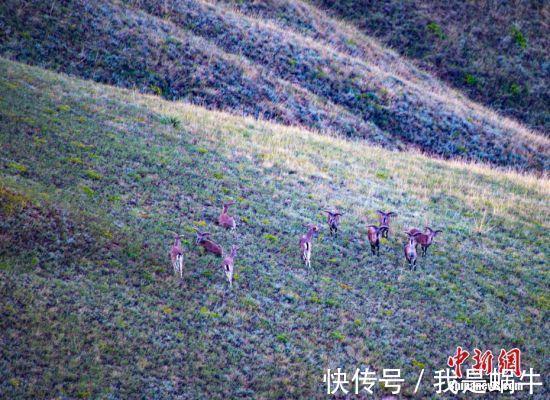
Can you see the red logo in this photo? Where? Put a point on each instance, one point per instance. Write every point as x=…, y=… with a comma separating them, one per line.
x=457, y=360
x=484, y=361
x=510, y=360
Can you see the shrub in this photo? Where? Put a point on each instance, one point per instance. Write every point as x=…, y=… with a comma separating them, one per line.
x=15, y=167
x=93, y=175
x=89, y=191
x=315, y=299
x=156, y=90
x=470, y=80
x=331, y=302
x=435, y=29
x=514, y=89
x=75, y=160
x=351, y=42
x=281, y=337
x=271, y=238
x=382, y=174
x=10, y=202
x=518, y=37
x=170, y=120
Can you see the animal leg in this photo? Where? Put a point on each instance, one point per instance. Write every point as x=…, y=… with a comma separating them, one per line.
x=180, y=265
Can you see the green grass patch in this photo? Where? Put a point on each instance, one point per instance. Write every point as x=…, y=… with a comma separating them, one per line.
x=93, y=175
x=16, y=167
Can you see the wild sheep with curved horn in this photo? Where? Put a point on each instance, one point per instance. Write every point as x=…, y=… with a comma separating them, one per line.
x=305, y=243
x=203, y=239
x=385, y=219
x=176, y=255
x=374, y=233
x=333, y=220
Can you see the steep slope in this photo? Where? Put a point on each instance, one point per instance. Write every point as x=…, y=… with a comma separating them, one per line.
x=495, y=51
x=93, y=178
x=211, y=55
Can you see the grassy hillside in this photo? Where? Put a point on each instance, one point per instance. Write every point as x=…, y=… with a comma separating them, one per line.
x=495, y=51
x=93, y=178
x=334, y=80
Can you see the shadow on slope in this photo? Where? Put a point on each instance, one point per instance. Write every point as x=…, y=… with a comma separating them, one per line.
x=212, y=56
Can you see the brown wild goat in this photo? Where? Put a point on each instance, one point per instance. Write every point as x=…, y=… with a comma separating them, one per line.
x=374, y=233
x=385, y=219
x=176, y=256
x=228, y=264
x=425, y=239
x=410, y=251
x=333, y=220
x=413, y=231
x=203, y=239
x=226, y=220
x=305, y=244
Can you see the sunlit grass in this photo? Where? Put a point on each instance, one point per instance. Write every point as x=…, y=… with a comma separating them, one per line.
x=86, y=283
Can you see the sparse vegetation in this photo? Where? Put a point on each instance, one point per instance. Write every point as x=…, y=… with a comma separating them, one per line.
x=93, y=175
x=283, y=67
x=470, y=80
x=518, y=37
x=515, y=89
x=94, y=178
x=435, y=29
x=170, y=120
x=497, y=41
x=17, y=167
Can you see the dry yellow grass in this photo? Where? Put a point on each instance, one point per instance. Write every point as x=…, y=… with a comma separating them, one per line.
x=166, y=166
